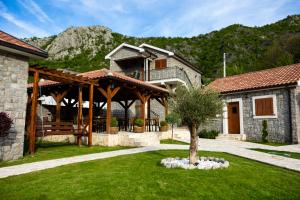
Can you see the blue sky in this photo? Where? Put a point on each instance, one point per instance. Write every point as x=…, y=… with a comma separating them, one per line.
x=26, y=18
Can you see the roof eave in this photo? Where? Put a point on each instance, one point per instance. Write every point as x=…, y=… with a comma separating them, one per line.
x=6, y=46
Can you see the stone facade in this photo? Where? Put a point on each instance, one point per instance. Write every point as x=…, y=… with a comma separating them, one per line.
x=279, y=127
x=295, y=110
x=13, y=92
x=175, y=70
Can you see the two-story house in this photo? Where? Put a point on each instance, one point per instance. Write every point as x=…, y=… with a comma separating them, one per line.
x=155, y=65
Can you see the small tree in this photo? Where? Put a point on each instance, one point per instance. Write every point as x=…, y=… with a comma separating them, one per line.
x=195, y=106
x=265, y=131
x=172, y=118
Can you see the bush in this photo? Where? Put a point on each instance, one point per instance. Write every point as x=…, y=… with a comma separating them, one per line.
x=5, y=123
x=208, y=134
x=114, y=122
x=139, y=122
x=265, y=131
x=163, y=123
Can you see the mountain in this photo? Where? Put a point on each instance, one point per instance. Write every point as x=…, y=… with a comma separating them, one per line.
x=247, y=48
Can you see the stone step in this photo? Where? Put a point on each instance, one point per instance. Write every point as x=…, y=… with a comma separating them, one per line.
x=231, y=137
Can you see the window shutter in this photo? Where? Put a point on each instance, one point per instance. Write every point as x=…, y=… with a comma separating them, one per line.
x=160, y=64
x=264, y=107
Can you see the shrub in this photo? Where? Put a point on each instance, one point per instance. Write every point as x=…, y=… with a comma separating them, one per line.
x=139, y=122
x=163, y=123
x=265, y=131
x=5, y=123
x=114, y=122
x=208, y=134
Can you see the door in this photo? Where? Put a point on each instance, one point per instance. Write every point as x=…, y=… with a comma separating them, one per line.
x=233, y=118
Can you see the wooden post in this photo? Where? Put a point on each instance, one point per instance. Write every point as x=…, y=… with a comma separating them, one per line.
x=143, y=99
x=33, y=113
x=108, y=94
x=91, y=96
x=126, y=115
x=79, y=117
x=166, y=106
x=58, y=110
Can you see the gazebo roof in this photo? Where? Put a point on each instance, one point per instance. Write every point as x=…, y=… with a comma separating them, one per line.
x=104, y=75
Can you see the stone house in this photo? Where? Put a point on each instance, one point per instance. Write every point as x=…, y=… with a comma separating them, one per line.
x=154, y=65
x=14, y=56
x=272, y=95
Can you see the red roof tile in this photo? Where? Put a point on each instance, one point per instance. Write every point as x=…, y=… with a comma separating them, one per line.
x=105, y=73
x=17, y=42
x=286, y=75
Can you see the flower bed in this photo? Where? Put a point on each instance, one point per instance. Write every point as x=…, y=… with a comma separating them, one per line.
x=203, y=163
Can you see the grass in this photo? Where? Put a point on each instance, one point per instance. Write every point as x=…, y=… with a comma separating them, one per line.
x=169, y=141
x=280, y=153
x=140, y=176
x=49, y=150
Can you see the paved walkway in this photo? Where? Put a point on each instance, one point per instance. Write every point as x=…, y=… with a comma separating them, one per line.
x=233, y=147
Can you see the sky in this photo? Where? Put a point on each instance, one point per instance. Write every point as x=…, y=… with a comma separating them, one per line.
x=142, y=18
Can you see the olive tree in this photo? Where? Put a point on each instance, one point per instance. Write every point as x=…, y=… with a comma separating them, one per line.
x=196, y=106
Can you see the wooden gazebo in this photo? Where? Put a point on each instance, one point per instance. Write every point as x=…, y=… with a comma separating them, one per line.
x=109, y=86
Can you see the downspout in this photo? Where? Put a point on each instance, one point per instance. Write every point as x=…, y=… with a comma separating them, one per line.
x=290, y=113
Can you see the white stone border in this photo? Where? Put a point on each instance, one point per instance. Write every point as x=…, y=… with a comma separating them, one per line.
x=274, y=106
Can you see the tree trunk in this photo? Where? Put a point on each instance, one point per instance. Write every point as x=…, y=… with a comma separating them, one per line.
x=193, y=144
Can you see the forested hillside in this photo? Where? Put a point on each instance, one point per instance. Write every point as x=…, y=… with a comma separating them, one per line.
x=248, y=48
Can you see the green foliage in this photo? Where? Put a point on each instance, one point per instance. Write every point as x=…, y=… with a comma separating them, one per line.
x=196, y=105
x=172, y=118
x=163, y=123
x=114, y=122
x=247, y=49
x=212, y=134
x=265, y=131
x=139, y=122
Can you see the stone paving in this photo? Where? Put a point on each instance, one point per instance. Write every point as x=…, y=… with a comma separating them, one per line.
x=238, y=148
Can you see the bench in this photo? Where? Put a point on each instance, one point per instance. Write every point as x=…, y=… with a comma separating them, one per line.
x=56, y=128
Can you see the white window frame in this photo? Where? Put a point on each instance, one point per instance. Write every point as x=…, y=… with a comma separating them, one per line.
x=273, y=96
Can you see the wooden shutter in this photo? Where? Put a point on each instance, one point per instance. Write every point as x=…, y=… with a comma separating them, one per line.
x=264, y=107
x=160, y=64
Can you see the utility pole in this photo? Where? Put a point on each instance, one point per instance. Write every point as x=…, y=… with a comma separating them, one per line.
x=224, y=64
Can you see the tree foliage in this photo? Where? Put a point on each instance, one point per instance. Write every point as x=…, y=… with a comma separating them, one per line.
x=196, y=106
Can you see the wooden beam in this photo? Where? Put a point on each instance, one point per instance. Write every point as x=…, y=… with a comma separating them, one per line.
x=123, y=105
x=91, y=96
x=114, y=91
x=102, y=91
x=79, y=119
x=33, y=113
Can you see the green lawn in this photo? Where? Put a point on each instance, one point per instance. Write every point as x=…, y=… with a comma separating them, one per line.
x=280, y=153
x=141, y=176
x=169, y=141
x=47, y=151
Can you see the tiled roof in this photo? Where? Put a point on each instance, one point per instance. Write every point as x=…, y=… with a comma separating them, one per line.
x=105, y=73
x=7, y=38
x=286, y=75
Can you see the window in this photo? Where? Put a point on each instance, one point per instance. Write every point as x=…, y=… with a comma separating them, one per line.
x=264, y=106
x=160, y=64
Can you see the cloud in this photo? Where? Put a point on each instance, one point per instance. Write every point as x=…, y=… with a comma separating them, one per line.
x=31, y=29
x=36, y=10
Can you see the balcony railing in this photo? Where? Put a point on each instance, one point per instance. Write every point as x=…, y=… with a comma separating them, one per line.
x=169, y=73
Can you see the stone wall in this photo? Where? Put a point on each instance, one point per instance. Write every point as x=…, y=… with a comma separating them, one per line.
x=278, y=128
x=13, y=92
x=295, y=105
